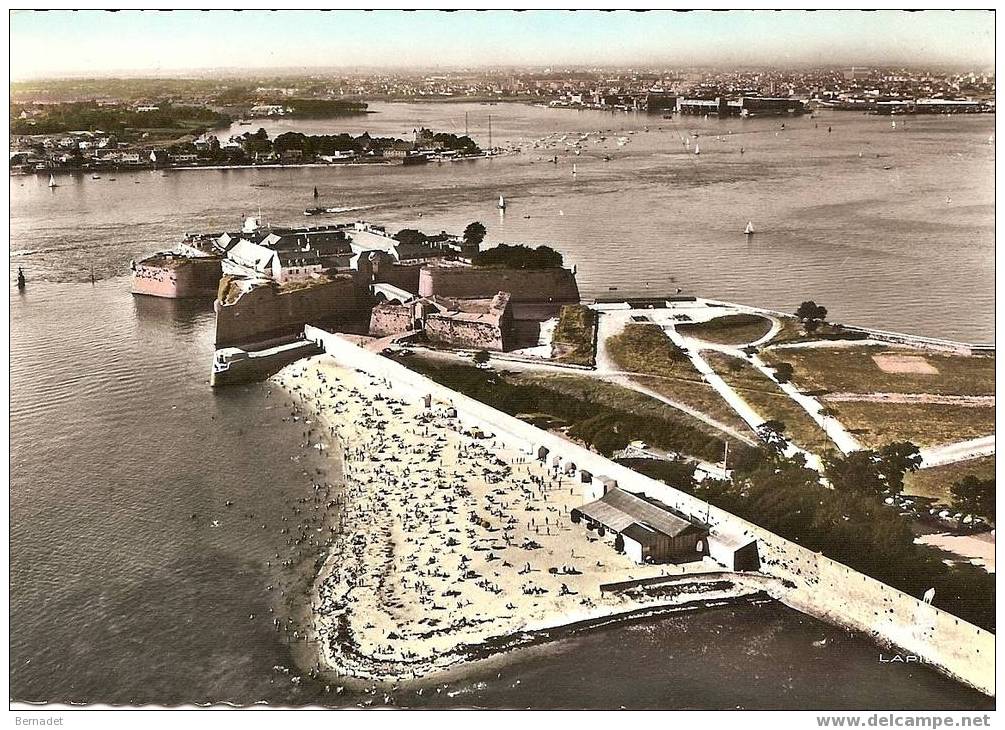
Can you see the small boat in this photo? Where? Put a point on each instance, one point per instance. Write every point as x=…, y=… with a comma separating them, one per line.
x=21, y=280
x=697, y=149
x=95, y=177
x=893, y=124
x=315, y=192
x=749, y=230
x=574, y=168
x=52, y=181
x=502, y=203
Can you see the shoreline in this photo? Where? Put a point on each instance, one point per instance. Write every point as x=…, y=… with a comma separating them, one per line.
x=374, y=606
x=277, y=166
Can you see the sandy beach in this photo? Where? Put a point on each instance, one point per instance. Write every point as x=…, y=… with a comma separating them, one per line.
x=449, y=546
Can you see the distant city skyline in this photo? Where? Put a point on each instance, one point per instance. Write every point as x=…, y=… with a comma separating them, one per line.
x=152, y=43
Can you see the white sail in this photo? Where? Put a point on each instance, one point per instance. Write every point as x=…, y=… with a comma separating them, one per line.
x=574, y=169
x=502, y=203
x=52, y=180
x=697, y=149
x=749, y=229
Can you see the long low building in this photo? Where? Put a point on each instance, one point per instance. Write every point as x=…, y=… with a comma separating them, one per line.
x=651, y=532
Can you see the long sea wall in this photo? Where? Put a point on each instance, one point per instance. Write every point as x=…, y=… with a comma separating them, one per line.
x=821, y=587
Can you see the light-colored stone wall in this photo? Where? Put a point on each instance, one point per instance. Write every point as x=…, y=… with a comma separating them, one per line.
x=451, y=332
x=265, y=312
x=557, y=286
x=390, y=319
x=821, y=587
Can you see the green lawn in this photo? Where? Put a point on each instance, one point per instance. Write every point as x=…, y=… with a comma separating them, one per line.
x=662, y=366
x=696, y=394
x=937, y=481
x=646, y=349
x=574, y=336
x=839, y=369
x=732, y=329
x=614, y=396
x=770, y=402
x=924, y=424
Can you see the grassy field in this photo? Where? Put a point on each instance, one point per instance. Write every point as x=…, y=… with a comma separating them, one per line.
x=853, y=370
x=924, y=424
x=937, y=481
x=645, y=348
x=614, y=396
x=663, y=367
x=732, y=329
x=696, y=394
x=768, y=400
x=573, y=339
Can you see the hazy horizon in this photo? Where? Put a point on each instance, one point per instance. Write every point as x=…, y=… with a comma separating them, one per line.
x=94, y=43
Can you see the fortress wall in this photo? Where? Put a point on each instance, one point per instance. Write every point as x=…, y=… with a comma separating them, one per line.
x=403, y=276
x=390, y=319
x=524, y=285
x=821, y=587
x=194, y=278
x=458, y=333
x=265, y=313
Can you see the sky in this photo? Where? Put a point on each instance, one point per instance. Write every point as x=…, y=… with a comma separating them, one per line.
x=92, y=42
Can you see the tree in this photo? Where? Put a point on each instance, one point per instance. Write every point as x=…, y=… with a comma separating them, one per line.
x=474, y=234
x=770, y=432
x=783, y=372
x=410, y=236
x=895, y=460
x=481, y=357
x=810, y=310
x=857, y=472
x=973, y=496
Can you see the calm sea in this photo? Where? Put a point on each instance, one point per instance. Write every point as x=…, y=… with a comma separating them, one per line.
x=133, y=581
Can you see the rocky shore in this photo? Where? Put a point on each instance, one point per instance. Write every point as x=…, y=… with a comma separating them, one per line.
x=449, y=546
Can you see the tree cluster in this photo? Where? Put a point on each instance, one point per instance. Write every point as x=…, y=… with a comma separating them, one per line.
x=90, y=116
x=811, y=314
x=519, y=257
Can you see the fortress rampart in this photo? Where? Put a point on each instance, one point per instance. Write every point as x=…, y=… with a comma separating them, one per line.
x=549, y=288
x=265, y=313
x=194, y=277
x=820, y=586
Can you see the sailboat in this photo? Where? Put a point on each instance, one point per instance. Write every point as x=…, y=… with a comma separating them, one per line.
x=697, y=149
x=893, y=124
x=502, y=203
x=315, y=192
x=574, y=169
x=52, y=181
x=749, y=230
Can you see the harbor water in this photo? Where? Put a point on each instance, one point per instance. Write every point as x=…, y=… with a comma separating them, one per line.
x=132, y=579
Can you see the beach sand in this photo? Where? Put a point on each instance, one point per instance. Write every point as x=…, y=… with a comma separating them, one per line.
x=450, y=546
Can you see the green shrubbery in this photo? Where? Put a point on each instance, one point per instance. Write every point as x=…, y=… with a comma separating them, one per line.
x=519, y=257
x=604, y=428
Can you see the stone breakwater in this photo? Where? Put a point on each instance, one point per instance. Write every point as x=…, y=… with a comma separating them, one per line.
x=453, y=546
